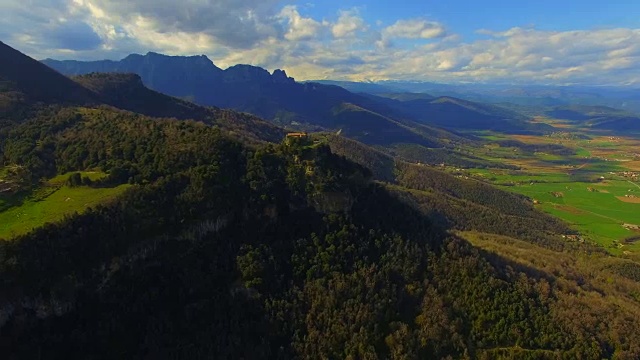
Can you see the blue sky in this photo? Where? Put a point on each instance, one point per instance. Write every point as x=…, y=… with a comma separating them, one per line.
x=539, y=42
x=467, y=16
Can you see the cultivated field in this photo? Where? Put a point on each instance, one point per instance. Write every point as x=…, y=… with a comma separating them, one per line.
x=589, y=179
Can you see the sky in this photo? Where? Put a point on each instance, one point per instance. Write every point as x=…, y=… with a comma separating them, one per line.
x=491, y=41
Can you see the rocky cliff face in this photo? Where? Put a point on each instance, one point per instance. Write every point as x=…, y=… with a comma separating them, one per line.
x=167, y=74
x=190, y=77
x=280, y=76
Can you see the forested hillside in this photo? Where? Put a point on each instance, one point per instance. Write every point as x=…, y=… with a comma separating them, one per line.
x=126, y=91
x=452, y=202
x=598, y=117
x=229, y=244
x=289, y=251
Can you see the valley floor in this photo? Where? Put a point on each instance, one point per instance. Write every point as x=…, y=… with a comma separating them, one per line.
x=589, y=179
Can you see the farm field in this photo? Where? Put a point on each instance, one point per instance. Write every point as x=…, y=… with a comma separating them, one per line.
x=589, y=179
x=50, y=203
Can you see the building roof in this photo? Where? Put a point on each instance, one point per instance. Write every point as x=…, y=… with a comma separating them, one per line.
x=296, y=134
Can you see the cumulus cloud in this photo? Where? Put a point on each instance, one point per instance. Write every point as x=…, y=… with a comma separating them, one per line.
x=348, y=24
x=49, y=28
x=570, y=55
x=605, y=56
x=342, y=46
x=236, y=23
x=300, y=28
x=414, y=29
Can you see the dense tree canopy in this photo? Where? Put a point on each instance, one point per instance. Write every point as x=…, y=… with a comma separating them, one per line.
x=284, y=251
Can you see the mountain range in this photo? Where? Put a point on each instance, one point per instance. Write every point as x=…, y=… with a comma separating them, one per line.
x=27, y=82
x=288, y=103
x=626, y=98
x=396, y=112
x=254, y=90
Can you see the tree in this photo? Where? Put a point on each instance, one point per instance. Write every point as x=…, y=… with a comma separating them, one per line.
x=74, y=180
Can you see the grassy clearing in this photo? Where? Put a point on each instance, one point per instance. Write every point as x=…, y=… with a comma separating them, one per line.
x=64, y=201
x=50, y=203
x=499, y=176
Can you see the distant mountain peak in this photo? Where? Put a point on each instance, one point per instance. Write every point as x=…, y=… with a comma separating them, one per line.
x=248, y=68
x=130, y=56
x=250, y=73
x=192, y=60
x=159, y=55
x=280, y=76
x=246, y=73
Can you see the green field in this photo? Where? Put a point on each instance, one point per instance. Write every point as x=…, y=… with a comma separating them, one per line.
x=49, y=204
x=498, y=176
x=598, y=214
x=592, y=206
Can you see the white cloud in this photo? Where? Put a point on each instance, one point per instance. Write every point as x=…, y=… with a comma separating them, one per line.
x=604, y=56
x=348, y=24
x=234, y=23
x=345, y=46
x=300, y=28
x=179, y=42
x=414, y=29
